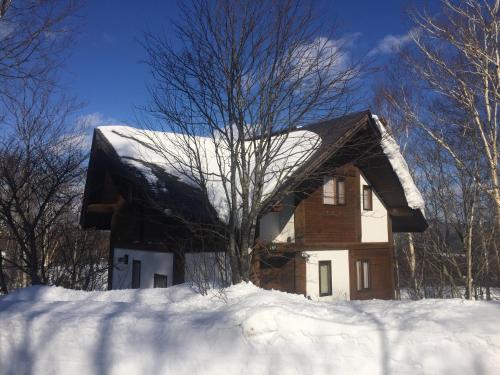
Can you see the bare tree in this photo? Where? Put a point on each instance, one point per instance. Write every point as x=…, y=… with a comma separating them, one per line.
x=246, y=74
x=33, y=36
x=41, y=170
x=445, y=90
x=456, y=65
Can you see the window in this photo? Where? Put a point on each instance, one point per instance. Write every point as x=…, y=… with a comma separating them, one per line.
x=136, y=274
x=363, y=276
x=340, y=185
x=160, y=281
x=325, y=278
x=333, y=190
x=367, y=198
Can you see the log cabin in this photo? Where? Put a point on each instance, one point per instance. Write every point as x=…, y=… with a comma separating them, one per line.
x=326, y=231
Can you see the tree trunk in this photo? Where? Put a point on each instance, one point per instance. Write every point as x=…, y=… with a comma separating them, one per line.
x=396, y=274
x=468, y=255
x=234, y=260
x=412, y=264
x=3, y=280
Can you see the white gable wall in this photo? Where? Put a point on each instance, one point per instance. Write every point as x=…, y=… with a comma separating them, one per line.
x=340, y=274
x=374, y=227
x=151, y=262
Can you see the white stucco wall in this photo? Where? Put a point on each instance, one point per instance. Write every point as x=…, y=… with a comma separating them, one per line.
x=151, y=262
x=340, y=274
x=374, y=226
x=211, y=267
x=279, y=226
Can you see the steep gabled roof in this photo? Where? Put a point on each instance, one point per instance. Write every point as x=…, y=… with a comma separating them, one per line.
x=132, y=158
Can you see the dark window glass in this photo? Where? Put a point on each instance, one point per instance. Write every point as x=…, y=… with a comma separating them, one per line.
x=160, y=281
x=136, y=274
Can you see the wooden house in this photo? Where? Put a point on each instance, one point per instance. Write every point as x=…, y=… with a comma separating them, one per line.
x=326, y=234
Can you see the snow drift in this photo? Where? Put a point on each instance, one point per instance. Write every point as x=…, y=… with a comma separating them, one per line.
x=47, y=330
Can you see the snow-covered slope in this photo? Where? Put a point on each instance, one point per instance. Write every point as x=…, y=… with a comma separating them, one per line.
x=251, y=331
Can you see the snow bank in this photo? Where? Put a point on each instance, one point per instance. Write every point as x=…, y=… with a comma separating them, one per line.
x=250, y=331
x=175, y=154
x=391, y=150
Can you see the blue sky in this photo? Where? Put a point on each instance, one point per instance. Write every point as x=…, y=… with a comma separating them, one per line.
x=104, y=69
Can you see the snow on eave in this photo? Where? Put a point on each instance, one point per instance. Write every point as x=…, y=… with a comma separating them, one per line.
x=400, y=167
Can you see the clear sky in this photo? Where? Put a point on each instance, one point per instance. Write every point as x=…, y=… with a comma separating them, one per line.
x=104, y=69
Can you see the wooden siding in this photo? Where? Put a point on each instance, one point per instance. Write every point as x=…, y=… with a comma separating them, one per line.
x=316, y=222
x=284, y=271
x=381, y=273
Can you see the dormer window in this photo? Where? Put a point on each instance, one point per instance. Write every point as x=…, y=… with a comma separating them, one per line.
x=334, y=190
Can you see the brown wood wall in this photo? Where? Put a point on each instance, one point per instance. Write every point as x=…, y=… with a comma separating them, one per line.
x=382, y=273
x=316, y=222
x=283, y=271
x=329, y=227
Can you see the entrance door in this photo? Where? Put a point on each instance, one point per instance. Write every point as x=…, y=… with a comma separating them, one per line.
x=136, y=274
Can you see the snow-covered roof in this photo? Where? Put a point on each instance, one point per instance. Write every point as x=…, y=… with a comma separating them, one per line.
x=163, y=160
x=172, y=153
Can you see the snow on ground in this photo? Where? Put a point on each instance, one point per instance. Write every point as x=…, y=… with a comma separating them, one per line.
x=47, y=330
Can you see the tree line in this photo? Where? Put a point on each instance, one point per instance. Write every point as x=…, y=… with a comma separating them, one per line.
x=442, y=97
x=42, y=162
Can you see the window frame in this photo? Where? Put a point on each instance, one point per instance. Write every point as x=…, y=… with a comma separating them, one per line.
x=156, y=276
x=338, y=180
x=334, y=198
x=370, y=189
x=327, y=198
x=360, y=275
x=328, y=263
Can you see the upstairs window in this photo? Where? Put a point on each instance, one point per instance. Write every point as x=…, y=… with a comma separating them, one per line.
x=334, y=190
x=325, y=278
x=367, y=198
x=363, y=276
